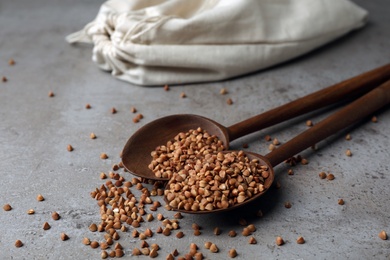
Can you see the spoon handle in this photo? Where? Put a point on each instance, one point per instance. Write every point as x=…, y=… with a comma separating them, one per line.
x=351, y=88
x=352, y=113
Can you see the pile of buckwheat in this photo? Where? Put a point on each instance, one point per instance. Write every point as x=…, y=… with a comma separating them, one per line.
x=202, y=177
x=183, y=150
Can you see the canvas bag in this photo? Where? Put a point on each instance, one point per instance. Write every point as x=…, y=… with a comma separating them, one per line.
x=157, y=42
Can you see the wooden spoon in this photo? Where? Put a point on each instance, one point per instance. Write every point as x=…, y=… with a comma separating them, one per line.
x=136, y=153
x=352, y=113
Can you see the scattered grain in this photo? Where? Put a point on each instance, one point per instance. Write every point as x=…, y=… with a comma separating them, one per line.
x=383, y=235
x=252, y=241
x=290, y=172
x=195, y=226
x=64, y=237
x=136, y=251
x=180, y=234
x=259, y=213
x=139, y=116
x=7, y=207
x=197, y=232
x=142, y=236
x=113, y=110
x=139, y=186
x=109, y=241
x=223, y=91
x=115, y=167
x=348, y=137
x=11, y=62
x=166, y=231
x=232, y=233
x=92, y=136
x=197, y=256
x=69, y=148
x=115, y=236
x=88, y=106
x=330, y=177
x=348, y=152
x=46, y=226
x=103, y=176
x=229, y=101
x=51, y=94
x=304, y=161
x=103, y=156
x=242, y=222
x=145, y=251
x=93, y=227
x=4, y=79
x=30, y=211
x=322, y=175
x=155, y=246
x=300, y=240
x=118, y=246
x=217, y=231
x=104, y=245
x=55, y=215
x=178, y=215
x=86, y=241
x=133, y=110
x=18, y=243
x=232, y=253
x=374, y=119
x=287, y=205
x=251, y=227
x=166, y=87
x=279, y=241
x=94, y=244
x=246, y=232
x=153, y=253
x=214, y=248
x=309, y=123
x=104, y=254
x=340, y=202
x=183, y=95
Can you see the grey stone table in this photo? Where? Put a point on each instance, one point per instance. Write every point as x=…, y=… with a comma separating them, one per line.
x=36, y=129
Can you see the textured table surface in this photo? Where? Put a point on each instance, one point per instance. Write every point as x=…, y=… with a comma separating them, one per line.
x=36, y=129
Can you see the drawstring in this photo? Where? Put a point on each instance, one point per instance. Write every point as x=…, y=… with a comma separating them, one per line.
x=143, y=26
x=107, y=25
x=101, y=25
x=80, y=36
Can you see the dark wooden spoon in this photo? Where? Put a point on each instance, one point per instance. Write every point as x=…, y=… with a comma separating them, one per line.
x=136, y=153
x=352, y=113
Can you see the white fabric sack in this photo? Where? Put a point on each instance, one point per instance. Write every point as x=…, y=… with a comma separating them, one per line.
x=157, y=42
